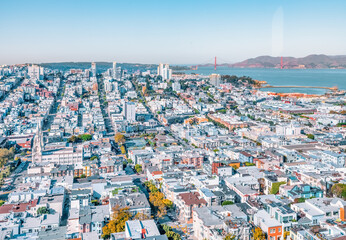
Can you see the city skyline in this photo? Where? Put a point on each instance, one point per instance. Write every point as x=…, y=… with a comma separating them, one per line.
x=169, y=32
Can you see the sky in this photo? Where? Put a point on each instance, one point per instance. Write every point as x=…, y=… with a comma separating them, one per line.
x=168, y=31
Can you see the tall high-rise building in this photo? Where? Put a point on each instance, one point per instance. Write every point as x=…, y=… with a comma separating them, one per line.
x=118, y=73
x=93, y=69
x=164, y=71
x=215, y=79
x=114, y=70
x=36, y=72
x=130, y=111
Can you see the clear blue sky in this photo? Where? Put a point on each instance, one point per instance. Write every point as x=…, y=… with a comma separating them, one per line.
x=172, y=31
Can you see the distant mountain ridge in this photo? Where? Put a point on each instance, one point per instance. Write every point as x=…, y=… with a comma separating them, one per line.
x=314, y=61
x=311, y=61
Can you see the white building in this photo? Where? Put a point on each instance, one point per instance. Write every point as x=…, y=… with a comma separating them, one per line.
x=93, y=69
x=164, y=71
x=130, y=111
x=176, y=86
x=215, y=79
x=36, y=72
x=114, y=70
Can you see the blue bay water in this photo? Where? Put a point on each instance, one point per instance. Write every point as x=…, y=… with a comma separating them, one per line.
x=286, y=77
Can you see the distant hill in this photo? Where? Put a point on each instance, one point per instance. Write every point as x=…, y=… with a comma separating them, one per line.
x=311, y=61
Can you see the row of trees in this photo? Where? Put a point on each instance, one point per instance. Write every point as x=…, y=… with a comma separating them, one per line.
x=169, y=233
x=120, y=140
x=80, y=138
x=158, y=200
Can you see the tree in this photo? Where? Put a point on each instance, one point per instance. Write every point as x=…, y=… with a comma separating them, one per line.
x=157, y=199
x=42, y=210
x=2, y=202
x=85, y=137
x=95, y=202
x=119, y=138
x=258, y=234
x=93, y=158
x=141, y=216
x=339, y=190
x=122, y=149
x=311, y=136
x=229, y=236
x=169, y=232
x=138, y=168
x=117, y=222
x=72, y=139
x=224, y=203
x=168, y=203
x=6, y=155
x=275, y=187
x=299, y=200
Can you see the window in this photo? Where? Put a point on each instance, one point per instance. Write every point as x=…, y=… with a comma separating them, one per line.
x=272, y=230
x=279, y=229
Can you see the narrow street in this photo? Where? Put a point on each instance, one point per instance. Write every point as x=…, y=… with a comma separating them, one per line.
x=54, y=109
x=102, y=97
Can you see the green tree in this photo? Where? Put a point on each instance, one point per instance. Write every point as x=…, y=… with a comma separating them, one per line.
x=42, y=210
x=85, y=137
x=93, y=158
x=2, y=202
x=224, y=203
x=311, y=136
x=169, y=233
x=138, y=168
x=275, y=187
x=95, y=202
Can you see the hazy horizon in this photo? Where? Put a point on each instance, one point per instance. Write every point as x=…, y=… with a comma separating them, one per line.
x=174, y=32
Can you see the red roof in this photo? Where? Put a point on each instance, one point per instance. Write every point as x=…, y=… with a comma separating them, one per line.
x=192, y=198
x=156, y=173
x=18, y=207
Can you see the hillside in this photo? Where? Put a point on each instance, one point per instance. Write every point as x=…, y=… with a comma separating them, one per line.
x=311, y=61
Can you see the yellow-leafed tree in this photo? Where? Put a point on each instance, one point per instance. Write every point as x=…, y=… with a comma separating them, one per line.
x=117, y=222
x=258, y=234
